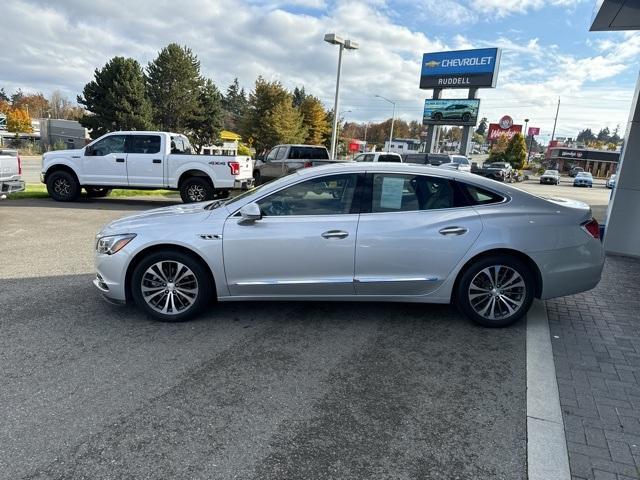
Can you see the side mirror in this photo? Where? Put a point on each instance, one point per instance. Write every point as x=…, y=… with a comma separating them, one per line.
x=250, y=213
x=88, y=151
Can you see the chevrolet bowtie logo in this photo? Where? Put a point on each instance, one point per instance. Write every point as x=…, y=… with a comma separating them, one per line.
x=432, y=64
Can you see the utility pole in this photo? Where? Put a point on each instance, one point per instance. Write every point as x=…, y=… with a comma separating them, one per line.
x=553, y=134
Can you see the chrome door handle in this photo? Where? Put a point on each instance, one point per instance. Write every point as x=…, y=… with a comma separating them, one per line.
x=453, y=231
x=335, y=234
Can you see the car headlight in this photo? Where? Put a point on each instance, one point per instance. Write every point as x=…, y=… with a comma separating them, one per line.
x=110, y=244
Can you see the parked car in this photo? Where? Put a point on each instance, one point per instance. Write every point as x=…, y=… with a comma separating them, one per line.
x=575, y=171
x=456, y=111
x=378, y=157
x=458, y=162
x=550, y=176
x=10, y=172
x=336, y=233
x=143, y=160
x=435, y=159
x=500, y=171
x=283, y=160
x=583, y=179
x=611, y=181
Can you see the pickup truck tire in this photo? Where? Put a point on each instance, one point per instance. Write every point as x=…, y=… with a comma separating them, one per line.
x=196, y=189
x=63, y=186
x=256, y=177
x=171, y=286
x=97, y=192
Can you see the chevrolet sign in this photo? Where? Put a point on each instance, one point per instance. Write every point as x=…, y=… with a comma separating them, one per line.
x=460, y=69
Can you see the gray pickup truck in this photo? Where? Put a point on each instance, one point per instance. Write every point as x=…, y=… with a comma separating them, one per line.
x=10, y=172
x=285, y=159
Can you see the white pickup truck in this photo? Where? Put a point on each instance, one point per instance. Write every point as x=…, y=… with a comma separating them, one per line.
x=10, y=172
x=143, y=160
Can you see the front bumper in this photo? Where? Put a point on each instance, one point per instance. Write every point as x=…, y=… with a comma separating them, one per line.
x=245, y=184
x=110, y=275
x=548, y=180
x=582, y=184
x=12, y=186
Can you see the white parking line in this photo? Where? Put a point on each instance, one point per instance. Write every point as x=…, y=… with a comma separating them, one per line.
x=547, y=457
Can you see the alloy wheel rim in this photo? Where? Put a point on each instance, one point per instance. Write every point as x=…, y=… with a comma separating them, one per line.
x=497, y=292
x=196, y=193
x=169, y=287
x=62, y=187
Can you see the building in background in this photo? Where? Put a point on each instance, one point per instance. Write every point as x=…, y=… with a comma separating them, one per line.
x=56, y=133
x=601, y=163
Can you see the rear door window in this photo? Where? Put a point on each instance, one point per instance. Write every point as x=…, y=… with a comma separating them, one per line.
x=177, y=145
x=143, y=144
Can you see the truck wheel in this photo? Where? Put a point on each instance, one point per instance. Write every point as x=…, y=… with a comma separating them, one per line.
x=196, y=189
x=62, y=186
x=256, y=177
x=97, y=192
x=466, y=117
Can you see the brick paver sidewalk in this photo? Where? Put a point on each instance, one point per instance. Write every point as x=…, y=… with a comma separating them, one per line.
x=596, y=347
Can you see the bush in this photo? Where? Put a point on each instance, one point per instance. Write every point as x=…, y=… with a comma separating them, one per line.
x=59, y=145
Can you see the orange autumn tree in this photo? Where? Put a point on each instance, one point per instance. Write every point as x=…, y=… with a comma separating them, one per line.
x=18, y=121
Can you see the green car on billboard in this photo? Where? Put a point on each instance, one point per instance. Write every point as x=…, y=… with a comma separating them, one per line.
x=451, y=112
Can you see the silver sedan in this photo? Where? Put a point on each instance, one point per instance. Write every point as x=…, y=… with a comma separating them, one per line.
x=356, y=232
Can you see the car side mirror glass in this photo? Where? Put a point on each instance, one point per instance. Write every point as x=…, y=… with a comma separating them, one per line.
x=250, y=213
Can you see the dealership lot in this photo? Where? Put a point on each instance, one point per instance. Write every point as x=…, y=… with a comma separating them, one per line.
x=263, y=390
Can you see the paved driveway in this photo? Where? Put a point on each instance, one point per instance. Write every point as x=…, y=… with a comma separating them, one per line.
x=251, y=391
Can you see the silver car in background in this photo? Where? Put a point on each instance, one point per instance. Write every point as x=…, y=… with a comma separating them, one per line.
x=357, y=232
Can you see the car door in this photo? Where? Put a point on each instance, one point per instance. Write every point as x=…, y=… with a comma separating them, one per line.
x=145, y=159
x=303, y=245
x=105, y=162
x=273, y=164
x=413, y=230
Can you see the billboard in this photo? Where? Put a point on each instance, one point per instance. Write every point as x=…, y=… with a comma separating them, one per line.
x=496, y=130
x=460, y=69
x=460, y=111
x=533, y=131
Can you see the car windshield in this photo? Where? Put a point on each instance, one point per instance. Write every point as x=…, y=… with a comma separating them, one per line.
x=217, y=203
x=551, y=172
x=498, y=165
x=584, y=174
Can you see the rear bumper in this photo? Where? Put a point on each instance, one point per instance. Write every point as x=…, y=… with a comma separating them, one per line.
x=245, y=184
x=12, y=186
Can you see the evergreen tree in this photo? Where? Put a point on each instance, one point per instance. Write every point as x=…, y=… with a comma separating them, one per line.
x=3, y=96
x=206, y=124
x=482, y=127
x=615, y=137
x=298, y=96
x=315, y=120
x=262, y=101
x=235, y=106
x=174, y=84
x=285, y=123
x=586, y=136
x=604, y=135
x=116, y=98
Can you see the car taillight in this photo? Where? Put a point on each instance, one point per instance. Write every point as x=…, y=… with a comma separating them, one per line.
x=308, y=164
x=19, y=166
x=592, y=228
x=235, y=168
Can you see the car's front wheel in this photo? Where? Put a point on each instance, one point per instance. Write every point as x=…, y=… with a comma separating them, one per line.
x=63, y=186
x=171, y=286
x=495, y=291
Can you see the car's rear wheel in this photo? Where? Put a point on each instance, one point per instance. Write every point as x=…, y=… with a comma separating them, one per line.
x=196, y=189
x=63, y=186
x=171, y=286
x=97, y=192
x=466, y=117
x=256, y=177
x=495, y=291
x=437, y=116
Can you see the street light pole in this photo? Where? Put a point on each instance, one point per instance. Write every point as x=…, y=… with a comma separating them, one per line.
x=553, y=134
x=335, y=39
x=393, y=118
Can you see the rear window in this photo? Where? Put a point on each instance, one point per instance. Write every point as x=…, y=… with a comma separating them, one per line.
x=144, y=144
x=308, y=153
x=415, y=158
x=481, y=196
x=389, y=158
x=438, y=159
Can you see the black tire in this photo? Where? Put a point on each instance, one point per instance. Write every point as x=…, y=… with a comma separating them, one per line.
x=200, y=273
x=256, y=177
x=437, y=116
x=196, y=189
x=62, y=186
x=522, y=295
x=97, y=192
x=466, y=117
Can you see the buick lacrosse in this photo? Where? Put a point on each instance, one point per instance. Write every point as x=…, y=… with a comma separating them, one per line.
x=388, y=232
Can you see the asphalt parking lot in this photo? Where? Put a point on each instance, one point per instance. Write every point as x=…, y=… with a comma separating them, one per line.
x=248, y=391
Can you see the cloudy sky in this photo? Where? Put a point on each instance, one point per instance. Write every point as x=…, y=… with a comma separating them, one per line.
x=548, y=51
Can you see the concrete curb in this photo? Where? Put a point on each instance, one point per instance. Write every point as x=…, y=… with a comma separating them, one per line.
x=547, y=457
